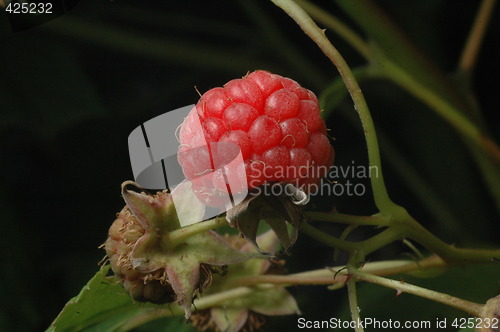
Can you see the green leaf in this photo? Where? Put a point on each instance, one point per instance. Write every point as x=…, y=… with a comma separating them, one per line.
x=101, y=305
x=104, y=305
x=102, y=295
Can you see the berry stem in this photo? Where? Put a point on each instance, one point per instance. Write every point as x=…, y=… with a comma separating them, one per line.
x=398, y=50
x=401, y=286
x=382, y=200
x=378, y=241
x=178, y=236
x=327, y=239
x=363, y=247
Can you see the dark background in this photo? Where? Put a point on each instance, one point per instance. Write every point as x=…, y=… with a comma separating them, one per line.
x=73, y=89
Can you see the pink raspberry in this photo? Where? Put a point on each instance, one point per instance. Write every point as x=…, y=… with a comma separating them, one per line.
x=276, y=125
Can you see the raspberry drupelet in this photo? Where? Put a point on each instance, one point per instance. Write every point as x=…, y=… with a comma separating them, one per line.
x=276, y=125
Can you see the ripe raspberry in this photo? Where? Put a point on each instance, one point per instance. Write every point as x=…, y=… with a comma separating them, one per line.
x=274, y=121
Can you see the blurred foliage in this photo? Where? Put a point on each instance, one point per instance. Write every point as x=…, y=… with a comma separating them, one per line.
x=73, y=89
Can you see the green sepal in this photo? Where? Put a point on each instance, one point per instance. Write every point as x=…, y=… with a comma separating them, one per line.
x=274, y=302
x=232, y=315
x=155, y=213
x=182, y=264
x=281, y=230
x=181, y=257
x=276, y=211
x=229, y=319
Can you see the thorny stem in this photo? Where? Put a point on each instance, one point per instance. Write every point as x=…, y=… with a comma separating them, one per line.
x=404, y=226
x=355, y=259
x=289, y=280
x=473, y=43
x=398, y=216
x=244, y=286
x=353, y=304
x=330, y=21
x=382, y=200
x=363, y=12
x=410, y=228
x=330, y=276
x=398, y=75
x=469, y=307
